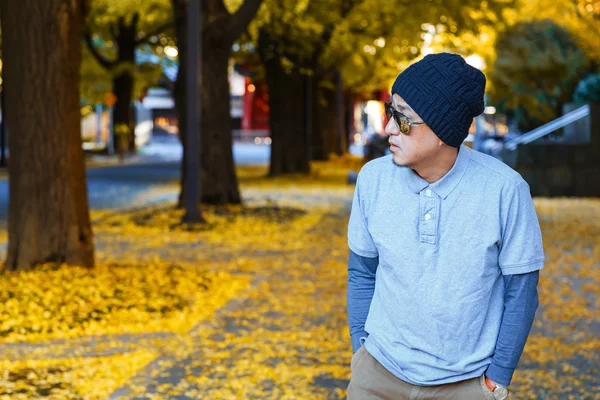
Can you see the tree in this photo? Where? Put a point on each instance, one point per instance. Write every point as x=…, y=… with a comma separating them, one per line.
x=48, y=211
x=291, y=38
x=367, y=41
x=580, y=17
x=114, y=30
x=220, y=26
x=537, y=68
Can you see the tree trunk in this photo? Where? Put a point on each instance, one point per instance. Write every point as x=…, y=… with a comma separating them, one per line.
x=328, y=117
x=122, y=113
x=325, y=137
x=287, y=105
x=179, y=91
x=48, y=208
x=318, y=151
x=348, y=112
x=218, y=181
x=123, y=79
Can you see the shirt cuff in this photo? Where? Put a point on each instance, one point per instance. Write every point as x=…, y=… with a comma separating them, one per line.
x=499, y=374
x=357, y=340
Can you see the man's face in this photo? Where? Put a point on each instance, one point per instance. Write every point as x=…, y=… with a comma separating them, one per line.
x=420, y=145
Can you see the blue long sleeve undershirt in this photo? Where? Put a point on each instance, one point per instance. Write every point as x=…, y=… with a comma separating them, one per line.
x=520, y=304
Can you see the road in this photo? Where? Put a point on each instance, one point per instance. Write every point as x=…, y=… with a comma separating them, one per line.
x=130, y=186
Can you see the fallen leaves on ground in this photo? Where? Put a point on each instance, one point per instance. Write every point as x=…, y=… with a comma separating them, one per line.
x=57, y=301
x=285, y=336
x=72, y=378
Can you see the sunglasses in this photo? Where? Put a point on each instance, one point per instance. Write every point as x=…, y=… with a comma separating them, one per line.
x=402, y=120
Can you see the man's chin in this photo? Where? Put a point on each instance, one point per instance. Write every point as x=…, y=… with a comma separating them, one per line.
x=398, y=163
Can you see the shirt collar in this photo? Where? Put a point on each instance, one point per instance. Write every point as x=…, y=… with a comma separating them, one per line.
x=444, y=186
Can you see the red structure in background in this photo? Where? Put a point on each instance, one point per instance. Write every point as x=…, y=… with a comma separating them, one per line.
x=256, y=106
x=384, y=97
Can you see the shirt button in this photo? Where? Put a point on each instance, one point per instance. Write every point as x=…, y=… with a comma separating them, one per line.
x=428, y=193
x=427, y=217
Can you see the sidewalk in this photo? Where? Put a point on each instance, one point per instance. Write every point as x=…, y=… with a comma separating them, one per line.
x=284, y=336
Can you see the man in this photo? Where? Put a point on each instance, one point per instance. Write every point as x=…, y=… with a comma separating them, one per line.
x=445, y=248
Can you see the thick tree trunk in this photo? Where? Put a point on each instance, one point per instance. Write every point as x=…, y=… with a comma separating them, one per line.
x=218, y=180
x=317, y=149
x=327, y=136
x=287, y=120
x=48, y=209
x=328, y=118
x=287, y=113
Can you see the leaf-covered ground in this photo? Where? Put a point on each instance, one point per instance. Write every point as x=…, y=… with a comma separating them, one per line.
x=252, y=306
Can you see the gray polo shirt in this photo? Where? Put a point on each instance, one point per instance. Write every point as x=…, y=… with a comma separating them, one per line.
x=442, y=247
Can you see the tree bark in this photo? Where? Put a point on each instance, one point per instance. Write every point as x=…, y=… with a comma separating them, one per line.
x=122, y=112
x=218, y=180
x=327, y=116
x=321, y=120
x=287, y=122
x=318, y=151
x=287, y=111
x=217, y=177
x=123, y=81
x=48, y=207
x=180, y=9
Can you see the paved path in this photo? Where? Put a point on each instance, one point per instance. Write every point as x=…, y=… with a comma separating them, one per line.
x=286, y=336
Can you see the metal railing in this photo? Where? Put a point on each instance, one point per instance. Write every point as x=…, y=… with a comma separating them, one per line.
x=548, y=128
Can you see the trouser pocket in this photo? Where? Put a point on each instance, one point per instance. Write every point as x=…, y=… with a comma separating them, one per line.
x=487, y=393
x=356, y=357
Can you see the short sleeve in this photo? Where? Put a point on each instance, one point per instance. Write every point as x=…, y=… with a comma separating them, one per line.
x=521, y=247
x=359, y=238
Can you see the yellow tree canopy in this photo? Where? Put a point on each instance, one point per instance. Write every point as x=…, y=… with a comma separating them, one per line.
x=580, y=17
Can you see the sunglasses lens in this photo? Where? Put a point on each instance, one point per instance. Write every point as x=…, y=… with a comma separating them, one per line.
x=404, y=125
x=388, y=111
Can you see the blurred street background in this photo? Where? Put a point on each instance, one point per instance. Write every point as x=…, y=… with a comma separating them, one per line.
x=176, y=179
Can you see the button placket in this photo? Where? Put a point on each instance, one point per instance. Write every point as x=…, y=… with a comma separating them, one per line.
x=428, y=217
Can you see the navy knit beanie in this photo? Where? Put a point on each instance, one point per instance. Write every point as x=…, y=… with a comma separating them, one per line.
x=446, y=92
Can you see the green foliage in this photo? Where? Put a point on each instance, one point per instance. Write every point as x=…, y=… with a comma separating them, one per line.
x=371, y=41
x=588, y=89
x=95, y=80
x=580, y=17
x=537, y=67
x=122, y=130
x=154, y=32
x=104, y=14
x=390, y=35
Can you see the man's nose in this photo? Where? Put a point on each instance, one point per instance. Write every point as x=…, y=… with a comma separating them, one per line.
x=391, y=128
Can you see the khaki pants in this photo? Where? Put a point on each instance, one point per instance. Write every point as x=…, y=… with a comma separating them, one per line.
x=370, y=380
